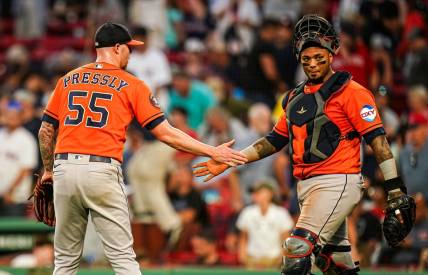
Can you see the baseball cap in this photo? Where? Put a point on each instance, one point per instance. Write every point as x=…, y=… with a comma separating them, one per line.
x=110, y=34
x=417, y=119
x=263, y=184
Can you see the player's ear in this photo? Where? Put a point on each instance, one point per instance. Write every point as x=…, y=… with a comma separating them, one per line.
x=116, y=48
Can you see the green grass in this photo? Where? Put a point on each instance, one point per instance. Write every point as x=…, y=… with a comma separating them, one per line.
x=182, y=271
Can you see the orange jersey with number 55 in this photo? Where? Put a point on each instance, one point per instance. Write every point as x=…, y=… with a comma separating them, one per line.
x=94, y=104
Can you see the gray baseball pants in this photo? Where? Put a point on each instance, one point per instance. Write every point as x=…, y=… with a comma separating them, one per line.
x=325, y=203
x=82, y=187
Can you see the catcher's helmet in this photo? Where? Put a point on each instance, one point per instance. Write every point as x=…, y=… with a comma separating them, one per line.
x=314, y=30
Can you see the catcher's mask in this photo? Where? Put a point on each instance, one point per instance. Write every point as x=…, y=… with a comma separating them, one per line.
x=313, y=30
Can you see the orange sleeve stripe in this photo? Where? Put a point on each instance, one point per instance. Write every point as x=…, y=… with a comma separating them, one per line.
x=51, y=114
x=371, y=128
x=148, y=120
x=282, y=133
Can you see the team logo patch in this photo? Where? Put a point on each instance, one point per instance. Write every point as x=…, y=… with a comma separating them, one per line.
x=98, y=66
x=154, y=101
x=368, y=113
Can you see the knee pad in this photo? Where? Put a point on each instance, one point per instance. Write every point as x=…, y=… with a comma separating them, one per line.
x=324, y=261
x=299, y=246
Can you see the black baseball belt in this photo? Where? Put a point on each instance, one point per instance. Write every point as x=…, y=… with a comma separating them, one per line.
x=92, y=158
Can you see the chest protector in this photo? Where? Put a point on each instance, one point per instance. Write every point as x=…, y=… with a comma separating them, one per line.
x=323, y=136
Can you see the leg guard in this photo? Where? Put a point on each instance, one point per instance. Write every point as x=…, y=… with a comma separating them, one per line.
x=324, y=261
x=299, y=247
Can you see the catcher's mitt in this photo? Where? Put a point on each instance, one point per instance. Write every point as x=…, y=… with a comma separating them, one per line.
x=399, y=218
x=43, y=204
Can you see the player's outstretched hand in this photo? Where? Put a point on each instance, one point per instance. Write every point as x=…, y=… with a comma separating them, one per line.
x=209, y=169
x=224, y=154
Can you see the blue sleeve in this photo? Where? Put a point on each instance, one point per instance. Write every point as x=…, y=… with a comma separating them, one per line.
x=278, y=141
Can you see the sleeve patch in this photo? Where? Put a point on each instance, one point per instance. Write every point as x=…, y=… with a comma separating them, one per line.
x=368, y=113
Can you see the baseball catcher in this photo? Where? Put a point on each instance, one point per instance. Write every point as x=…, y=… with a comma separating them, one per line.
x=324, y=120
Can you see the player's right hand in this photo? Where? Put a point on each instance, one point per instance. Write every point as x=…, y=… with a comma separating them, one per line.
x=224, y=154
x=209, y=168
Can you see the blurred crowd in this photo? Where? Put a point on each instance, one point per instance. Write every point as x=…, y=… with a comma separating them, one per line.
x=219, y=69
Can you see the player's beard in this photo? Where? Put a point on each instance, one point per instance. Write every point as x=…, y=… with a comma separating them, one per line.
x=320, y=77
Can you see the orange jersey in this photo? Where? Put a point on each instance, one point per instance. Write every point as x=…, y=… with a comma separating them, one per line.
x=351, y=109
x=94, y=105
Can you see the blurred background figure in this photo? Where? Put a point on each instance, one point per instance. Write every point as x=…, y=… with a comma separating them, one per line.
x=417, y=59
x=193, y=96
x=414, y=156
x=390, y=119
x=188, y=203
x=263, y=227
x=18, y=158
x=147, y=171
x=259, y=125
x=205, y=249
x=178, y=118
x=42, y=256
x=151, y=15
x=150, y=64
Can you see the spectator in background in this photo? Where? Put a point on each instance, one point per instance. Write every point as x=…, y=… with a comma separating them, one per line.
x=35, y=83
x=417, y=59
x=188, y=204
x=205, y=248
x=17, y=66
x=237, y=21
x=174, y=34
x=193, y=96
x=178, y=119
x=147, y=171
x=30, y=18
x=382, y=63
x=18, y=157
x=42, y=256
x=30, y=118
x=353, y=55
x=259, y=124
x=153, y=16
x=414, y=156
x=261, y=77
x=195, y=64
x=390, y=119
x=263, y=227
x=279, y=9
x=101, y=11
x=221, y=126
x=197, y=21
x=285, y=60
x=151, y=65
x=417, y=100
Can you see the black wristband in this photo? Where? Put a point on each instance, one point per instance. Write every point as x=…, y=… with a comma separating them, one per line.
x=394, y=183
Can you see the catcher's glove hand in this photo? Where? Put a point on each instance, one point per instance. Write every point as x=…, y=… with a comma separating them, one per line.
x=43, y=204
x=399, y=214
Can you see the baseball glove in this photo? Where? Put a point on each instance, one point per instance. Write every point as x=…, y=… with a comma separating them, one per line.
x=43, y=204
x=400, y=216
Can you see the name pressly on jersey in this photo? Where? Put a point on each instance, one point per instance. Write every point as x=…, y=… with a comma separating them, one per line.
x=95, y=79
